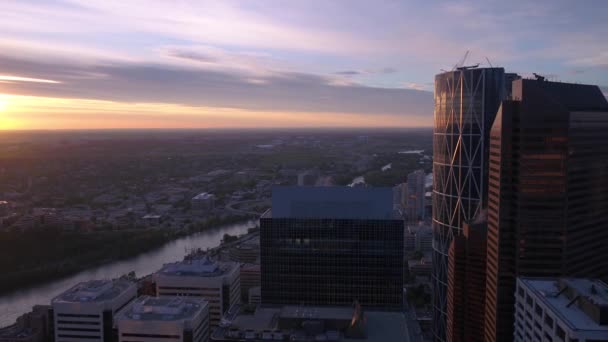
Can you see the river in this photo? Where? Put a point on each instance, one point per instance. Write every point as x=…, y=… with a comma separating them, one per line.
x=17, y=303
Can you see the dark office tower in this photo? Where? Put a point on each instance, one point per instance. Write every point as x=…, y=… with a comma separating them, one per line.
x=466, y=101
x=332, y=246
x=548, y=192
x=467, y=283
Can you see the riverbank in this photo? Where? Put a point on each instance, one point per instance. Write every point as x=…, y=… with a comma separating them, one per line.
x=30, y=259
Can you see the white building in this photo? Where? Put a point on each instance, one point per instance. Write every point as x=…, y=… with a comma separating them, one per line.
x=564, y=309
x=164, y=319
x=203, y=202
x=86, y=311
x=217, y=282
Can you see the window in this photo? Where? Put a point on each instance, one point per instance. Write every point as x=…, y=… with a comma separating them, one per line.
x=549, y=321
x=560, y=332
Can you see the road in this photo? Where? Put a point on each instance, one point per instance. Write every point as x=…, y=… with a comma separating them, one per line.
x=231, y=207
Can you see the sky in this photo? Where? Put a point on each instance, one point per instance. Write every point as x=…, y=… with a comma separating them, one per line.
x=71, y=64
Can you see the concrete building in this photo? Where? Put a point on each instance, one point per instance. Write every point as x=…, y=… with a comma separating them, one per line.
x=409, y=240
x=164, y=319
x=420, y=268
x=305, y=323
x=467, y=283
x=255, y=295
x=561, y=309
x=308, y=178
x=399, y=191
x=414, y=194
x=250, y=277
x=203, y=202
x=466, y=101
x=332, y=246
x=424, y=238
x=548, y=192
x=246, y=252
x=217, y=282
x=87, y=310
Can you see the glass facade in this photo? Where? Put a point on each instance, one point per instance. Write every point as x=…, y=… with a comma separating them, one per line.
x=548, y=202
x=332, y=262
x=466, y=102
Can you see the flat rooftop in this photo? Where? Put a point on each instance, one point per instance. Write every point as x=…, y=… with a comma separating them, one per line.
x=337, y=202
x=264, y=323
x=147, y=308
x=548, y=290
x=315, y=312
x=203, y=196
x=198, y=267
x=94, y=291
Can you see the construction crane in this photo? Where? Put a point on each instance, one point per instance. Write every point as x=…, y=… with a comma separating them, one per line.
x=462, y=60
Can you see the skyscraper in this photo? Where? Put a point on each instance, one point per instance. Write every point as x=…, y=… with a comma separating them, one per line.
x=332, y=246
x=466, y=101
x=548, y=192
x=467, y=283
x=415, y=195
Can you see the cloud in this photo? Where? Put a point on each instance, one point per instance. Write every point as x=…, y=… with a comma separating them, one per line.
x=12, y=78
x=348, y=73
x=386, y=70
x=419, y=86
x=598, y=60
x=280, y=91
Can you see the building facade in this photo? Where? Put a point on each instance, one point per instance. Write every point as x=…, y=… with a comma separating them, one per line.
x=466, y=101
x=561, y=309
x=415, y=196
x=216, y=282
x=164, y=319
x=250, y=277
x=87, y=310
x=548, y=192
x=332, y=246
x=467, y=284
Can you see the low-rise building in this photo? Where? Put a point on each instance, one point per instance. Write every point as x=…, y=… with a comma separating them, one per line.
x=247, y=251
x=86, y=311
x=152, y=220
x=4, y=208
x=561, y=309
x=217, y=282
x=203, y=202
x=34, y=326
x=164, y=319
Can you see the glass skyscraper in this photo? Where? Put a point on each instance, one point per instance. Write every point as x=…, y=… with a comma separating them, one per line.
x=332, y=246
x=466, y=101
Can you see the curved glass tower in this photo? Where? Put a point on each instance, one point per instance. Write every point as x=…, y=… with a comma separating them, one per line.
x=466, y=101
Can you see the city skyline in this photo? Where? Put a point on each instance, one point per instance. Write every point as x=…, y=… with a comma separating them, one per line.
x=103, y=64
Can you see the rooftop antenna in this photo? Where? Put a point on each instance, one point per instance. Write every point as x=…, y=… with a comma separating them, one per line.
x=487, y=59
